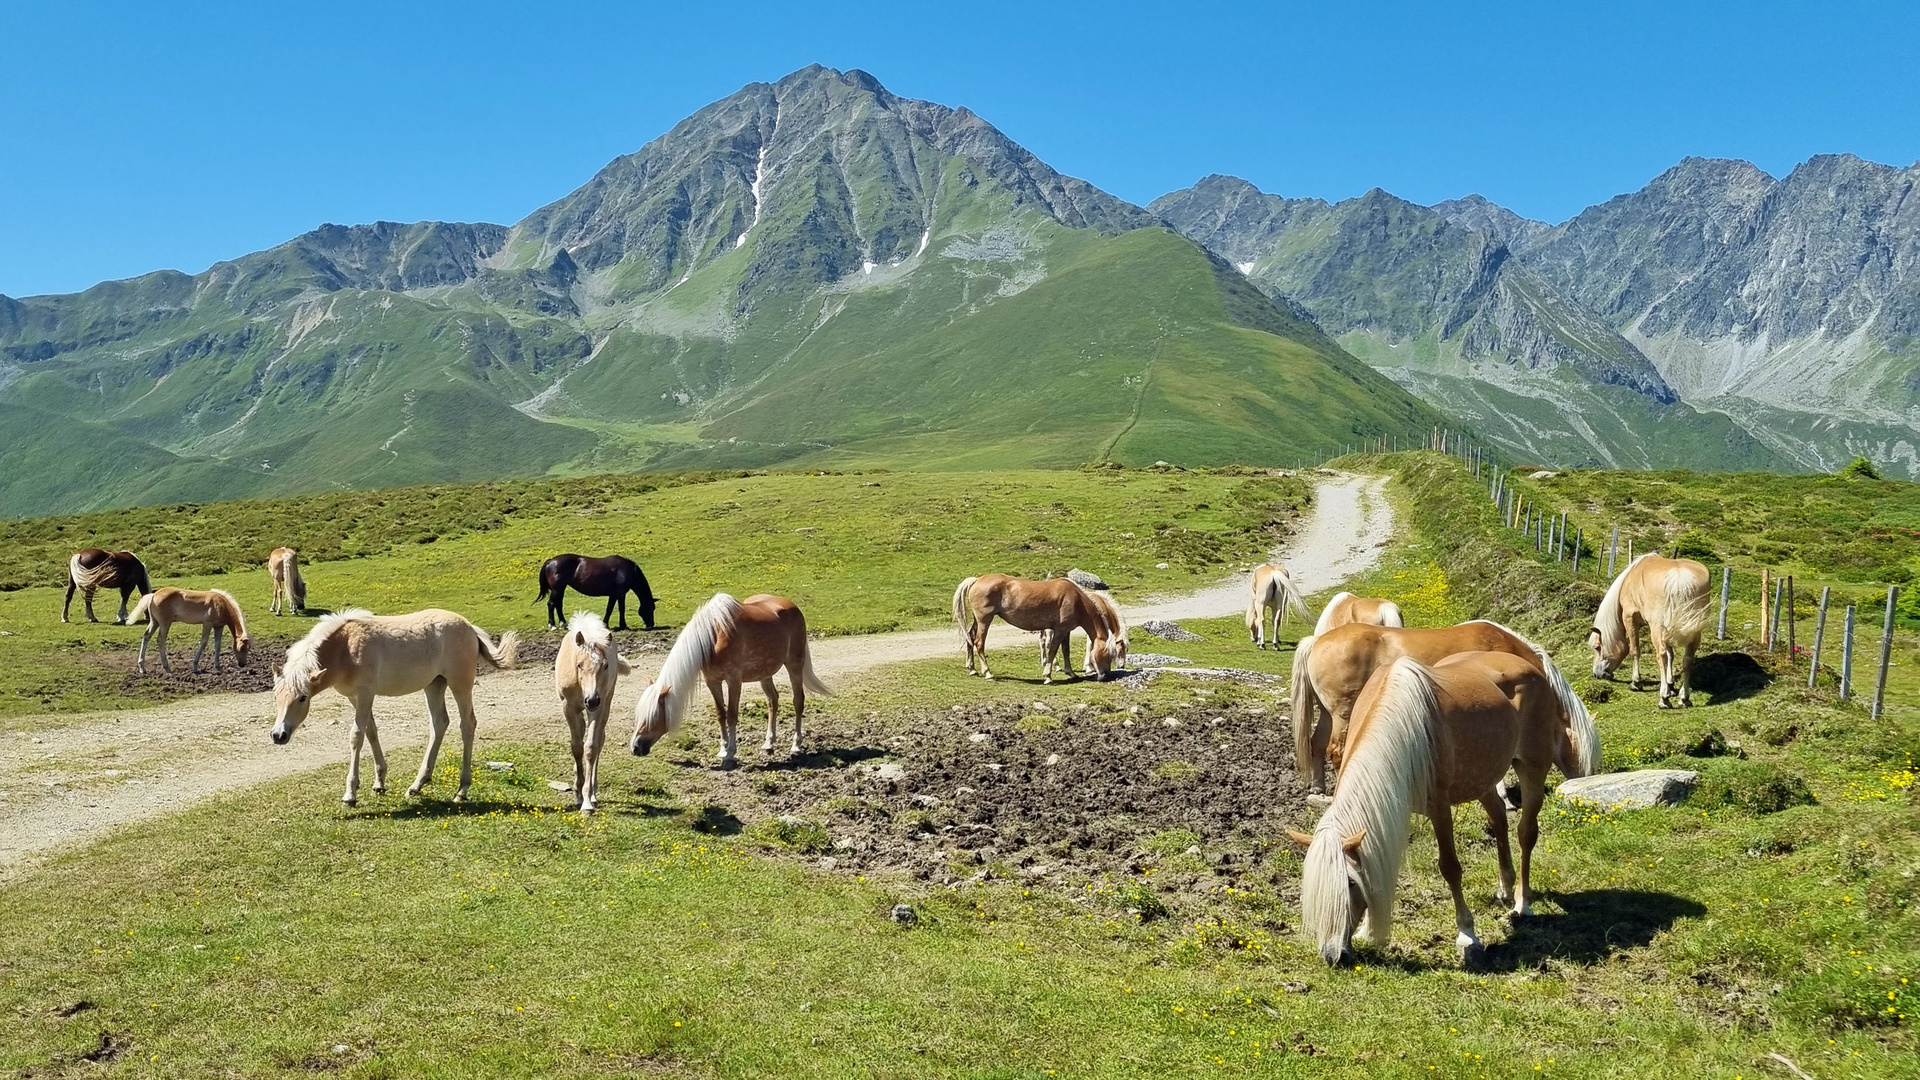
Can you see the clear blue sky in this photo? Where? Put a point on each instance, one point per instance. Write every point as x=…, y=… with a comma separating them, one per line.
x=150, y=135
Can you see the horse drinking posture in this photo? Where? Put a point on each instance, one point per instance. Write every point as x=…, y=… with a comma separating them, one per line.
x=1347, y=608
x=362, y=655
x=1272, y=591
x=1329, y=671
x=728, y=642
x=1055, y=604
x=1669, y=598
x=289, y=588
x=612, y=576
x=94, y=569
x=213, y=610
x=584, y=672
x=1424, y=740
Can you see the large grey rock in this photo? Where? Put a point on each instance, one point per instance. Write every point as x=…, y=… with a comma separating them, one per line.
x=1085, y=580
x=1161, y=628
x=1632, y=790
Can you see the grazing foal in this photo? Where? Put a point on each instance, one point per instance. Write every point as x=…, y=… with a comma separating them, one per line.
x=1670, y=598
x=1055, y=605
x=213, y=610
x=584, y=673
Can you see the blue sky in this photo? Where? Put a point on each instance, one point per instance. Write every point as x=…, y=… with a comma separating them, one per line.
x=142, y=136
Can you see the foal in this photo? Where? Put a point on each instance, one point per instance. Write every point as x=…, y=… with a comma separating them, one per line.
x=584, y=673
x=213, y=610
x=289, y=588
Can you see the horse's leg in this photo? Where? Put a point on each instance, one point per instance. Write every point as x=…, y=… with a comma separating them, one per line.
x=1066, y=649
x=1686, y=672
x=1046, y=656
x=608, y=617
x=140, y=664
x=1321, y=746
x=980, y=644
x=362, y=724
x=1633, y=647
x=596, y=738
x=86, y=598
x=437, y=731
x=577, y=727
x=556, y=611
x=795, y=672
x=1496, y=808
x=121, y=619
x=66, y=608
x=379, y=755
x=206, y=630
x=1279, y=613
x=623, y=610
x=773, y=710
x=1533, y=795
x=1442, y=817
x=469, y=723
x=1663, y=658
x=729, y=722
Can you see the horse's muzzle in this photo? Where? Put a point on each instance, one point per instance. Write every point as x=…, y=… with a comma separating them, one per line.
x=640, y=748
x=593, y=702
x=279, y=736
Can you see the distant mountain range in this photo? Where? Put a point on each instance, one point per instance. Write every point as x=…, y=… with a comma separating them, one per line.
x=815, y=272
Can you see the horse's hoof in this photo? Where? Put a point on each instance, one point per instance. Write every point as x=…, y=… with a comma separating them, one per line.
x=348, y=802
x=988, y=675
x=460, y=796
x=413, y=792
x=379, y=789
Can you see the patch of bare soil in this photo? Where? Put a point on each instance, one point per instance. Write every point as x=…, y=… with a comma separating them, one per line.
x=1201, y=794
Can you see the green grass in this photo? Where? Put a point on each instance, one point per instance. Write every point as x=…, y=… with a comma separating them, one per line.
x=860, y=553
x=254, y=935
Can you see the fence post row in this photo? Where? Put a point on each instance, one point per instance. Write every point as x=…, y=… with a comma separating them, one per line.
x=1819, y=634
x=1886, y=653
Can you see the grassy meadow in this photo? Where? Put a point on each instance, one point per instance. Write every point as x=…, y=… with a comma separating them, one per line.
x=684, y=932
x=860, y=553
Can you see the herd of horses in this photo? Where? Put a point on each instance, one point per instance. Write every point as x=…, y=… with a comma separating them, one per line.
x=1409, y=719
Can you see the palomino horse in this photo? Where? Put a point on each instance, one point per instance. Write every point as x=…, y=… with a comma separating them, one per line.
x=584, y=672
x=726, y=643
x=1272, y=590
x=1669, y=598
x=289, y=588
x=1347, y=608
x=94, y=569
x=213, y=610
x=1055, y=604
x=613, y=577
x=1424, y=740
x=1330, y=670
x=361, y=655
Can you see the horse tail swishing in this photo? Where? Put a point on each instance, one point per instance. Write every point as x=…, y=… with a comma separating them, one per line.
x=502, y=656
x=963, y=618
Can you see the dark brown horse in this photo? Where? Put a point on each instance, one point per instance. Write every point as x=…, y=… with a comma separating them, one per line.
x=613, y=577
x=96, y=569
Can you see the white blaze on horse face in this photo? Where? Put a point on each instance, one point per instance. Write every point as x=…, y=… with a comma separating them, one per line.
x=290, y=710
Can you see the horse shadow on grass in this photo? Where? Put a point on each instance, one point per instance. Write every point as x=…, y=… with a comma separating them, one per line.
x=1729, y=676
x=430, y=808
x=1590, y=926
x=834, y=757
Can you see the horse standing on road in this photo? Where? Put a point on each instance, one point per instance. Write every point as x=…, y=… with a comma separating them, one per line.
x=362, y=655
x=213, y=610
x=94, y=569
x=1670, y=598
x=729, y=642
x=611, y=576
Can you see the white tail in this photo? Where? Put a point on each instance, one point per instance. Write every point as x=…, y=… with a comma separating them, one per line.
x=503, y=656
x=963, y=613
x=144, y=610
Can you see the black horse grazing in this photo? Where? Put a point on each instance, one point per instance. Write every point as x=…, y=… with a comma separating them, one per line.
x=612, y=577
x=96, y=569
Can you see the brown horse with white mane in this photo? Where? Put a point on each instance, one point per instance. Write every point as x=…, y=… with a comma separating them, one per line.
x=1331, y=669
x=729, y=642
x=1425, y=739
x=1055, y=605
x=213, y=610
x=94, y=569
x=1670, y=598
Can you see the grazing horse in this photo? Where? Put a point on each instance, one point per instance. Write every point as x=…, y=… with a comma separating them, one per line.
x=1055, y=604
x=289, y=588
x=361, y=655
x=1330, y=670
x=584, y=673
x=1273, y=591
x=94, y=569
x=1668, y=597
x=1426, y=739
x=1347, y=608
x=613, y=577
x=1116, y=636
x=726, y=643
x=213, y=610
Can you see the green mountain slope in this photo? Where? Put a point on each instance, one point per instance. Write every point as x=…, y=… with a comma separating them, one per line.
x=807, y=271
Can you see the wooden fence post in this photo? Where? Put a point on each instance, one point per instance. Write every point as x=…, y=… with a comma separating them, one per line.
x=1886, y=653
x=1819, y=634
x=1793, y=617
x=1766, y=588
x=1613, y=549
x=1727, y=585
x=1579, y=537
x=1773, y=620
x=1846, y=656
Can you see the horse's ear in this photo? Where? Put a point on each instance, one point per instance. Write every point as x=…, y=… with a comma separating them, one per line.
x=663, y=688
x=1300, y=838
x=580, y=638
x=1351, y=845
x=277, y=669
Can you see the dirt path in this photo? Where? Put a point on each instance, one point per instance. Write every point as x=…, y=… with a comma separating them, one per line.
x=85, y=776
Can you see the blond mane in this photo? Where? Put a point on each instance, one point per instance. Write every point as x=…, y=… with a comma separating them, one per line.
x=236, y=618
x=1610, y=621
x=691, y=653
x=591, y=627
x=1387, y=773
x=303, y=656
